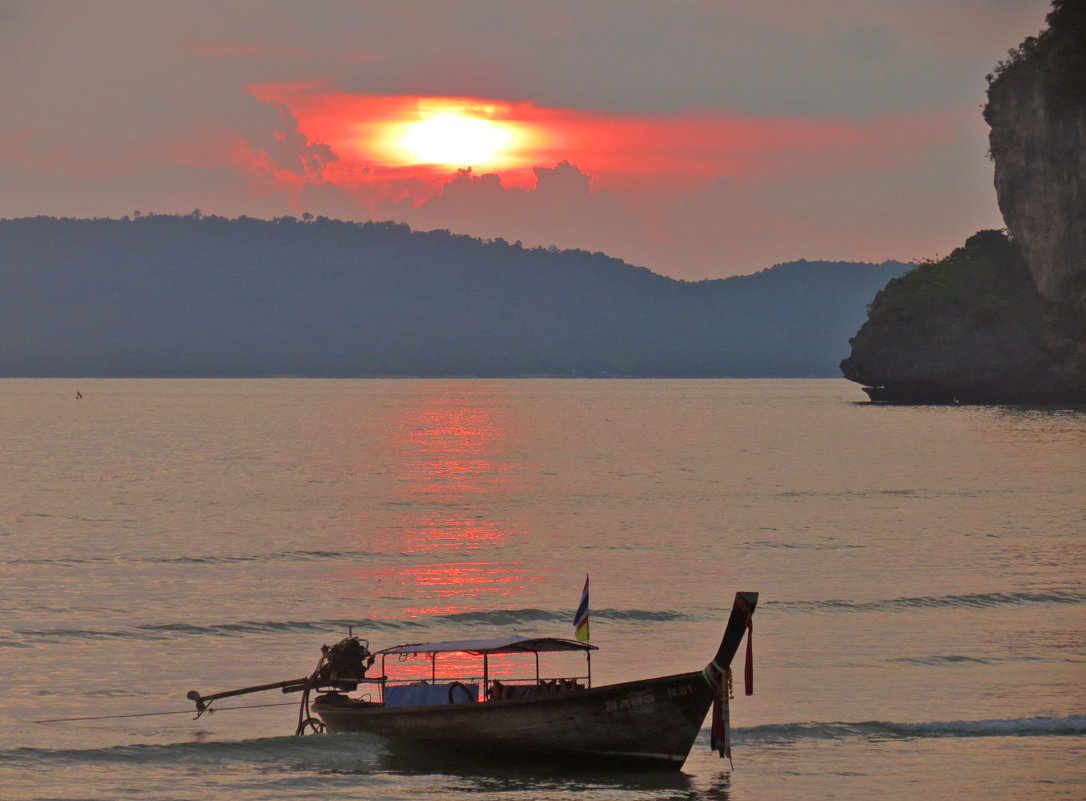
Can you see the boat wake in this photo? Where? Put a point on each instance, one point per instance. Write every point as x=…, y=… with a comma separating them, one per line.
x=363, y=753
x=328, y=753
x=1070, y=726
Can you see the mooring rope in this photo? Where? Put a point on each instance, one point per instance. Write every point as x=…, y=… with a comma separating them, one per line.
x=151, y=714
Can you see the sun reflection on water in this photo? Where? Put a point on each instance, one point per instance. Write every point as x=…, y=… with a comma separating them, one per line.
x=446, y=450
x=440, y=534
x=450, y=580
x=452, y=448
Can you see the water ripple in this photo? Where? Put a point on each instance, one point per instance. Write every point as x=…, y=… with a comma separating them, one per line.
x=506, y=619
x=971, y=601
x=1072, y=725
x=211, y=559
x=313, y=751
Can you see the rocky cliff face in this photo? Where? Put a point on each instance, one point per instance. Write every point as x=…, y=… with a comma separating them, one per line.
x=1037, y=113
x=1003, y=320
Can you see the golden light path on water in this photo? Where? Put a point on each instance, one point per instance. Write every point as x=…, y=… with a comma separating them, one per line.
x=446, y=452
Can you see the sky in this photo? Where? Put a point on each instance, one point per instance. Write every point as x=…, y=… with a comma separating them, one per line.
x=697, y=138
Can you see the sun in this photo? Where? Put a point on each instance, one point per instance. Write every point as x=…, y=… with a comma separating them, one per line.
x=427, y=137
x=456, y=140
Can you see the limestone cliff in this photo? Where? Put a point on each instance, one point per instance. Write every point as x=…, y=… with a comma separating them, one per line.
x=1003, y=319
x=1037, y=113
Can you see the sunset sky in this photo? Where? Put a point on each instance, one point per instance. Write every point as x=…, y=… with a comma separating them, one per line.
x=698, y=138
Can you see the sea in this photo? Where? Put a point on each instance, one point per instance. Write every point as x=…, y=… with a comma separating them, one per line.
x=921, y=630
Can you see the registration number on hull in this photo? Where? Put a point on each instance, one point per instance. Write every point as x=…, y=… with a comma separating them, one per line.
x=638, y=700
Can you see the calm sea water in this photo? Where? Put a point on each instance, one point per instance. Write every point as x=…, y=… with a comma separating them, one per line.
x=922, y=571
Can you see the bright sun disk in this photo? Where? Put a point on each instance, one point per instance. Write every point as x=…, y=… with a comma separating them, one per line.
x=456, y=140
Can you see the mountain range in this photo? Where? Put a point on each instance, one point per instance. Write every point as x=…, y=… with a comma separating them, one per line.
x=200, y=296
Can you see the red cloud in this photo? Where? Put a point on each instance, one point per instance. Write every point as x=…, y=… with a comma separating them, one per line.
x=684, y=149
x=629, y=185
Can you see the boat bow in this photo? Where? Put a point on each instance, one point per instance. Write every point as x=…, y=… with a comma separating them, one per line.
x=718, y=672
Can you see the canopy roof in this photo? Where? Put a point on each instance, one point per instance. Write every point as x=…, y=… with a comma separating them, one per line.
x=506, y=645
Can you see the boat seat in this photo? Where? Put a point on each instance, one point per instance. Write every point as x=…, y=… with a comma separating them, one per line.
x=431, y=694
x=523, y=690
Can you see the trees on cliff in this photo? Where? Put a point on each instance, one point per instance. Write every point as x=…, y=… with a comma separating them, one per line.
x=970, y=328
x=1058, y=53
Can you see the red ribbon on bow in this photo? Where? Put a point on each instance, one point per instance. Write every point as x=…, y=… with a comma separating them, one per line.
x=748, y=668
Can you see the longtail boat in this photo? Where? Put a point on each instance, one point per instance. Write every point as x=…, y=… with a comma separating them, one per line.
x=538, y=719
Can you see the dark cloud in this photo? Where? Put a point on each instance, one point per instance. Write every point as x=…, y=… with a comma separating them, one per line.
x=561, y=209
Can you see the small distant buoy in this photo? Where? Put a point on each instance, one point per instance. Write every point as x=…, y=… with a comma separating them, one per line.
x=78, y=394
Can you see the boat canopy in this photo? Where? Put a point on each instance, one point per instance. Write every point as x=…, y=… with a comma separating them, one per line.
x=507, y=645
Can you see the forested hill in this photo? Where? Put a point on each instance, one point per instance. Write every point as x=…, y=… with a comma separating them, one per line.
x=208, y=296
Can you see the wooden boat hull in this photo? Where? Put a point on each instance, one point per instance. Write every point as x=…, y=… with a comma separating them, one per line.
x=651, y=724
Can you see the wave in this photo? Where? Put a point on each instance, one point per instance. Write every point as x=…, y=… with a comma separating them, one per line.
x=514, y=617
x=287, y=556
x=942, y=660
x=508, y=618
x=501, y=617
x=635, y=614
x=985, y=600
x=329, y=752
x=362, y=752
x=803, y=546
x=1070, y=726
x=169, y=631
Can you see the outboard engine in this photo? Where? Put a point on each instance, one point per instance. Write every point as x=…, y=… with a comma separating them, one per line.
x=347, y=660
